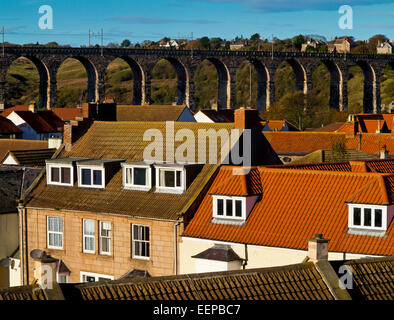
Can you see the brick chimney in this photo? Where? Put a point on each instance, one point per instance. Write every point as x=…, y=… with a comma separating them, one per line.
x=89, y=110
x=318, y=248
x=246, y=119
x=75, y=129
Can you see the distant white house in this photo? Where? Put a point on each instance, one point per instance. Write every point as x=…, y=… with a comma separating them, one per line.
x=33, y=126
x=385, y=48
x=169, y=44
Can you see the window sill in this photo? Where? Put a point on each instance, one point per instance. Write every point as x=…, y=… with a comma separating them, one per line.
x=140, y=258
x=170, y=190
x=236, y=222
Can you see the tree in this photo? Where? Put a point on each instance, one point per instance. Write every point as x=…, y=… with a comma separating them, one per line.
x=125, y=43
x=204, y=42
x=215, y=43
x=255, y=37
x=298, y=41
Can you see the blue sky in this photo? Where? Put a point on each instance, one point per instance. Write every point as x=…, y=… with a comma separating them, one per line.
x=153, y=19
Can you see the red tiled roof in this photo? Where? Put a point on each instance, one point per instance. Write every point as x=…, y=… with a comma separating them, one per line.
x=8, y=127
x=375, y=165
x=52, y=119
x=36, y=122
x=332, y=127
x=67, y=113
x=306, y=142
x=241, y=184
x=277, y=125
x=7, y=111
x=295, y=205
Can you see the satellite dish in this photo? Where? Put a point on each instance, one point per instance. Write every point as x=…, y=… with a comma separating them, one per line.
x=37, y=254
x=5, y=263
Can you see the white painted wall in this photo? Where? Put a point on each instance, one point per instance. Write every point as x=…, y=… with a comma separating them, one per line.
x=201, y=117
x=10, y=160
x=15, y=273
x=205, y=265
x=258, y=256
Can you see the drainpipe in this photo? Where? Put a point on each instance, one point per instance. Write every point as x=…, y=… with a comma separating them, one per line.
x=21, y=244
x=245, y=262
x=176, y=248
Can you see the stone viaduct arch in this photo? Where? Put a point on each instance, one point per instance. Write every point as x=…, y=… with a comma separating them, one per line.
x=185, y=62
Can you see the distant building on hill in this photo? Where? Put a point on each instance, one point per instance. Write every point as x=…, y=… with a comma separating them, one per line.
x=385, y=48
x=341, y=45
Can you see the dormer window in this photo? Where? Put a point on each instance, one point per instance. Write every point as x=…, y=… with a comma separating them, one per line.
x=60, y=175
x=91, y=177
x=96, y=173
x=137, y=176
x=368, y=217
x=60, y=172
x=225, y=207
x=170, y=178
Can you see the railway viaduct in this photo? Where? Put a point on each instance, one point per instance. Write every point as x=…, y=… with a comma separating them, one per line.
x=141, y=61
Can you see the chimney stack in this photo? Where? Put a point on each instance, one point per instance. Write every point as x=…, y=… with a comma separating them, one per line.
x=318, y=248
x=246, y=118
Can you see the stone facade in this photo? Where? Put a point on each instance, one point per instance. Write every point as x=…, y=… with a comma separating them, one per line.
x=119, y=262
x=185, y=62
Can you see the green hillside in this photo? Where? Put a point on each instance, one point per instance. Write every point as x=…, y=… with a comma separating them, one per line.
x=23, y=80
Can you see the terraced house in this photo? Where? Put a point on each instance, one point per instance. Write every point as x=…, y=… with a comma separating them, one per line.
x=102, y=211
x=264, y=218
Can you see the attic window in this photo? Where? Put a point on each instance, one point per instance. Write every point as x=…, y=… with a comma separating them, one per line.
x=96, y=173
x=91, y=177
x=137, y=176
x=368, y=217
x=170, y=179
x=60, y=174
x=225, y=207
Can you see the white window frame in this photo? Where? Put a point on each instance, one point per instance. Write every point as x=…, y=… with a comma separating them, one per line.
x=88, y=236
x=92, y=186
x=49, y=166
x=175, y=189
x=367, y=206
x=133, y=186
x=95, y=275
x=215, y=199
x=54, y=232
x=65, y=274
x=108, y=253
x=133, y=255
